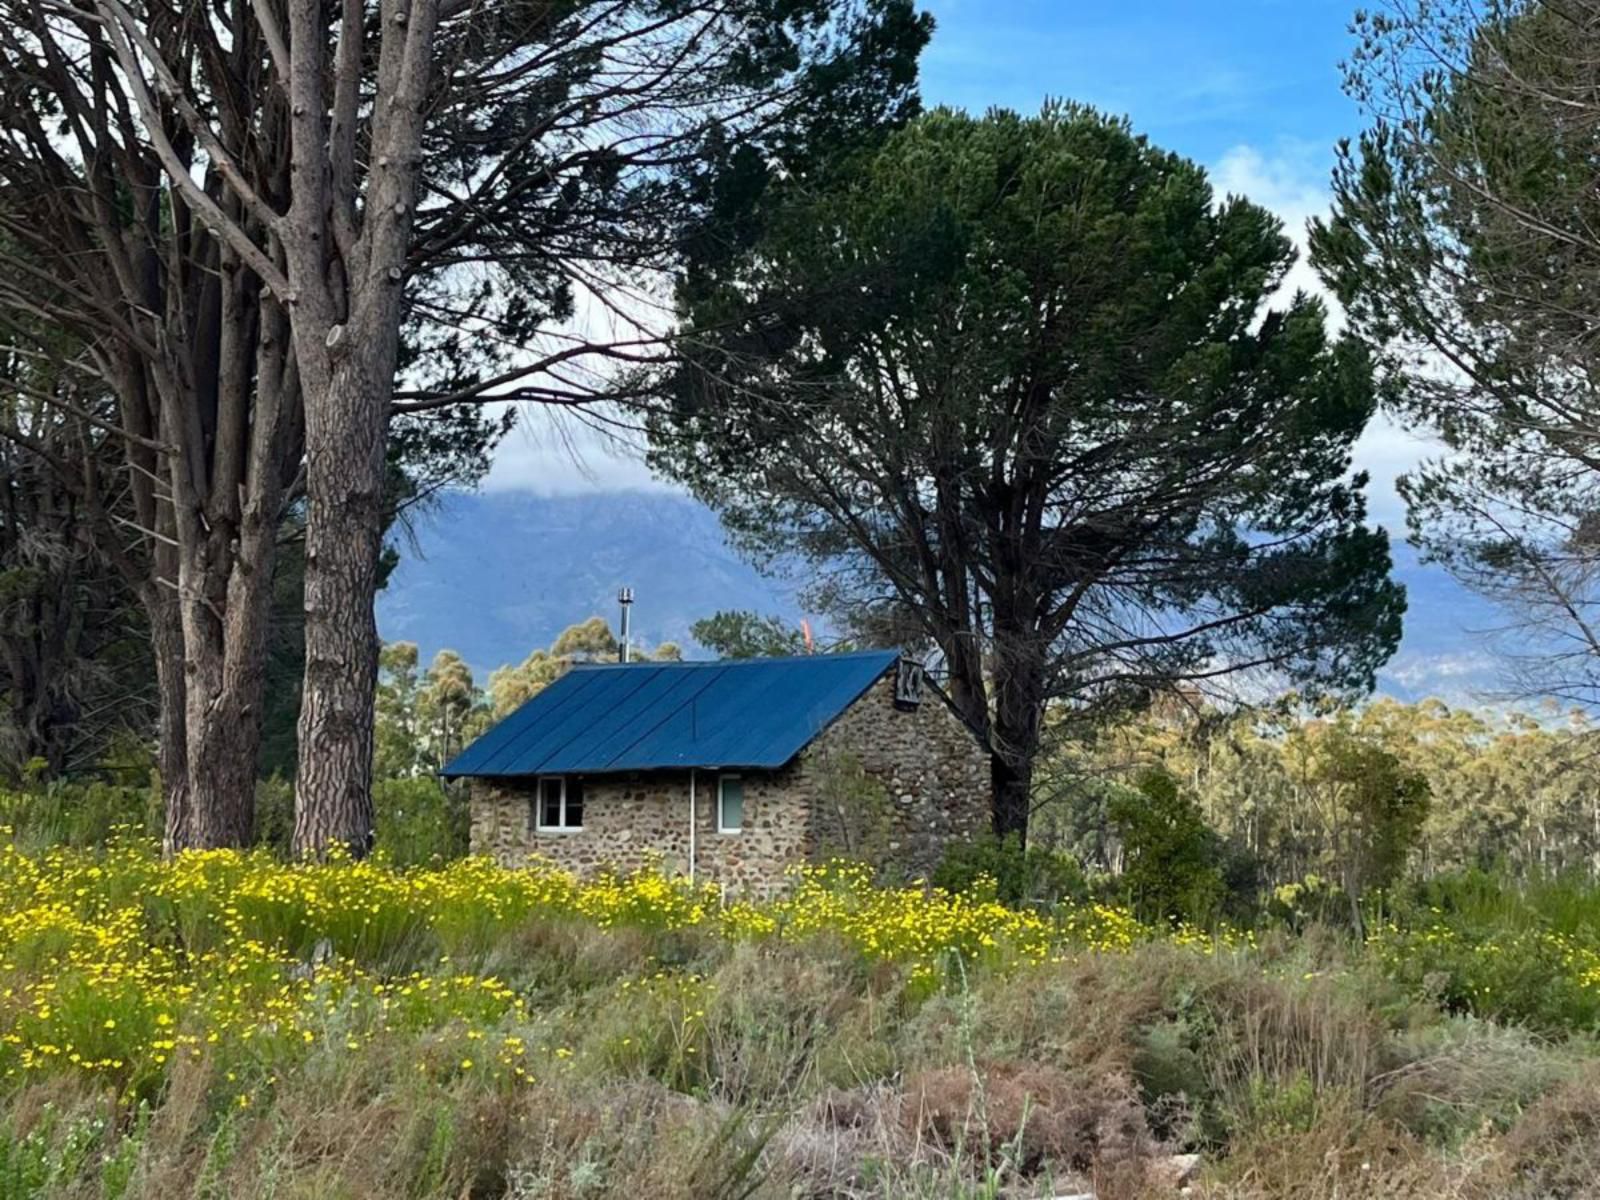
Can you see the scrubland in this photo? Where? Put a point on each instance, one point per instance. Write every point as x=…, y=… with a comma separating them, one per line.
x=229, y=1025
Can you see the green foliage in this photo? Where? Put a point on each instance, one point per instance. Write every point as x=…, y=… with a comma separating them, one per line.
x=1308, y=901
x=421, y=821
x=1170, y=870
x=48, y=1158
x=854, y=814
x=1463, y=232
x=275, y=814
x=743, y=634
x=588, y=641
x=1032, y=876
x=851, y=404
x=1277, y=1108
x=423, y=722
x=591, y=1056
x=79, y=814
x=1473, y=943
x=1379, y=810
x=395, y=731
x=1316, y=802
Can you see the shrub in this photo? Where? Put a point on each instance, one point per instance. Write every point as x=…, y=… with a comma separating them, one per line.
x=83, y=814
x=1032, y=876
x=1555, y=1149
x=420, y=821
x=1170, y=853
x=275, y=814
x=229, y=1024
x=1040, y=1115
x=1461, y=1077
x=1470, y=944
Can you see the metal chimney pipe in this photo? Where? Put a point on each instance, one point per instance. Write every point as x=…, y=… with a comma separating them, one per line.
x=625, y=599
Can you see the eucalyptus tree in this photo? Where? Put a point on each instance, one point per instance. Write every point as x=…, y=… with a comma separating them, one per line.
x=240, y=206
x=1022, y=381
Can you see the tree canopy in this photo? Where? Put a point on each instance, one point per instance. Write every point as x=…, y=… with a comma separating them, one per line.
x=1023, y=382
x=1464, y=248
x=273, y=229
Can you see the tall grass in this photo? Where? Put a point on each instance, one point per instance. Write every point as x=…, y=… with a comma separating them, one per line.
x=233, y=1025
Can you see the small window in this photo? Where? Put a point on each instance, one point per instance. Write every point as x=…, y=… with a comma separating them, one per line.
x=559, y=803
x=730, y=804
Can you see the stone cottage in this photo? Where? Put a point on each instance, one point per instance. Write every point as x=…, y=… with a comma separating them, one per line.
x=730, y=772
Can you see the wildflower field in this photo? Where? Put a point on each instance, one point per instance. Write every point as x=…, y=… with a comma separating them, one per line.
x=229, y=1024
x=116, y=963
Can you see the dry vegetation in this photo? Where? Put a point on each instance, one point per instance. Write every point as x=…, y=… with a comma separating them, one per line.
x=634, y=1042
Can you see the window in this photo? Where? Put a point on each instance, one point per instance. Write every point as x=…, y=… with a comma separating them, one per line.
x=558, y=803
x=730, y=803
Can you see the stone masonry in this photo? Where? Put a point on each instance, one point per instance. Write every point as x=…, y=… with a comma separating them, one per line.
x=887, y=785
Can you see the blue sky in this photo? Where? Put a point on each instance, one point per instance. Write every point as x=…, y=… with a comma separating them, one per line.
x=1248, y=88
x=1199, y=78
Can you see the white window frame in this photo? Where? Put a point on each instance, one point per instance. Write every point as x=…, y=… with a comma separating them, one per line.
x=743, y=798
x=538, y=807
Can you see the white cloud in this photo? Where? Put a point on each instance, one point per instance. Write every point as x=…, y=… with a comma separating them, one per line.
x=553, y=453
x=1386, y=451
x=558, y=451
x=1292, y=183
x=1433, y=673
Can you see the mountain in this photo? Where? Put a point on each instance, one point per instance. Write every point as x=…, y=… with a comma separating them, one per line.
x=494, y=575
x=1450, y=641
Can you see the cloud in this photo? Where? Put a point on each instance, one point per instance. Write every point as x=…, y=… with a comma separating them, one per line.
x=1386, y=451
x=553, y=453
x=557, y=451
x=1292, y=184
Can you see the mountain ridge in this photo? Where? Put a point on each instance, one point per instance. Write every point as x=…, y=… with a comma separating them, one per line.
x=494, y=575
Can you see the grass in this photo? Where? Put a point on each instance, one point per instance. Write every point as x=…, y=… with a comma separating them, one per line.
x=230, y=1025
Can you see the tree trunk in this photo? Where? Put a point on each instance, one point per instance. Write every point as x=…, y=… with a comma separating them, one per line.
x=227, y=648
x=172, y=756
x=347, y=335
x=1357, y=920
x=346, y=439
x=1013, y=788
x=1014, y=732
x=213, y=569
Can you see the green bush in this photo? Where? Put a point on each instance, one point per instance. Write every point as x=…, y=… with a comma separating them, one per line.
x=78, y=814
x=275, y=814
x=420, y=821
x=1032, y=876
x=1170, y=854
x=1472, y=943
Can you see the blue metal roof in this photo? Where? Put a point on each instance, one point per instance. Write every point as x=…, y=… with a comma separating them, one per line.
x=753, y=712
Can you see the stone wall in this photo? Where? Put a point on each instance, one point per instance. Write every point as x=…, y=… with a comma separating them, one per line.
x=892, y=786
x=880, y=784
x=633, y=820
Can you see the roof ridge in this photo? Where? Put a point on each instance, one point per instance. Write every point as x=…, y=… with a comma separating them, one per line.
x=735, y=662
